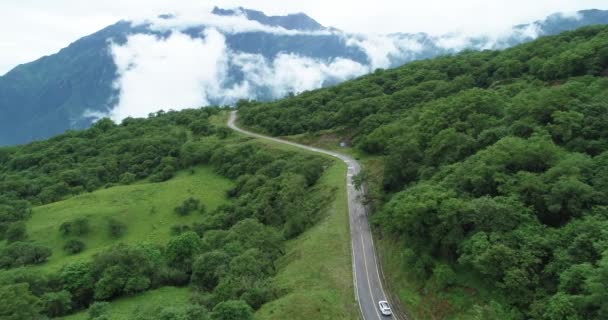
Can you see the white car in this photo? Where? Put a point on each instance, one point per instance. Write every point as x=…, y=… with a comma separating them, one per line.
x=384, y=308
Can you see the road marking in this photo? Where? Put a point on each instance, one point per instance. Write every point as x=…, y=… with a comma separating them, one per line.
x=371, y=292
x=352, y=244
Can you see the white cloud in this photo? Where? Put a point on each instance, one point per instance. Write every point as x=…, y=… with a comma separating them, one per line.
x=180, y=72
x=40, y=28
x=454, y=41
x=292, y=73
x=176, y=72
x=226, y=24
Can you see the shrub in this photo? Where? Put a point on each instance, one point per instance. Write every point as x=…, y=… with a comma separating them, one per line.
x=127, y=178
x=77, y=227
x=98, y=309
x=116, y=229
x=179, y=229
x=57, y=303
x=16, y=232
x=19, y=254
x=81, y=226
x=74, y=246
x=189, y=205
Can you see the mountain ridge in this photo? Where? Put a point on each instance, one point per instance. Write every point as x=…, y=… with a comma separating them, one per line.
x=271, y=58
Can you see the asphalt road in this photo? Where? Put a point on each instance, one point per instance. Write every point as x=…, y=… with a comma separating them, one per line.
x=368, y=286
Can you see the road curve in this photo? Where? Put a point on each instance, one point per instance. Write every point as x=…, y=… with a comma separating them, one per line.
x=368, y=286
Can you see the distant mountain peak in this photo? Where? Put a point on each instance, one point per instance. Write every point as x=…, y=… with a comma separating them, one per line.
x=297, y=21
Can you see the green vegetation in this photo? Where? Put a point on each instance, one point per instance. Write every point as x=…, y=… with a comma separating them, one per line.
x=491, y=190
x=132, y=214
x=126, y=308
x=315, y=272
x=227, y=252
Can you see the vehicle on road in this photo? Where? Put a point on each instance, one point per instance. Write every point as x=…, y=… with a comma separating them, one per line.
x=385, y=308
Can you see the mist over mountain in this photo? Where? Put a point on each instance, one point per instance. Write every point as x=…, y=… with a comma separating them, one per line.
x=132, y=68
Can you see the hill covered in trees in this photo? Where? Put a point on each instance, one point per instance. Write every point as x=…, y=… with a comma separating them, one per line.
x=495, y=168
x=227, y=254
x=261, y=57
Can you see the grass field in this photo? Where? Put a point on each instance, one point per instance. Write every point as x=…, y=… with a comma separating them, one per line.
x=316, y=272
x=146, y=209
x=123, y=309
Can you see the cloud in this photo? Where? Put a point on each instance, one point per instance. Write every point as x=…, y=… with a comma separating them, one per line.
x=175, y=72
x=184, y=71
x=293, y=73
x=226, y=24
x=180, y=71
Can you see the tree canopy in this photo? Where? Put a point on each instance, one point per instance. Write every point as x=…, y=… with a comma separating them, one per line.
x=494, y=164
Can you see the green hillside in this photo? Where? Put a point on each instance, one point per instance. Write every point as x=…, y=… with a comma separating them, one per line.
x=146, y=211
x=108, y=222
x=130, y=307
x=487, y=171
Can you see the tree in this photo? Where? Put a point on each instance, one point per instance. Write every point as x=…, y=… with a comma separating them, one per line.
x=597, y=287
x=16, y=232
x=189, y=205
x=223, y=132
x=182, y=249
x=208, y=267
x=18, y=303
x=19, y=254
x=232, y=310
x=77, y=279
x=56, y=304
x=98, y=309
x=74, y=246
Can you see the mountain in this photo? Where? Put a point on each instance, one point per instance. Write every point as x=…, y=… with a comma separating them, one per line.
x=487, y=173
x=133, y=68
x=299, y=21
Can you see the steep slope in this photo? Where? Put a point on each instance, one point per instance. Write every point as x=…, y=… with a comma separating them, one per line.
x=487, y=171
x=262, y=58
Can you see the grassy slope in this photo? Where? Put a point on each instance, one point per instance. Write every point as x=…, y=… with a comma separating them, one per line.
x=146, y=209
x=123, y=309
x=315, y=274
x=316, y=271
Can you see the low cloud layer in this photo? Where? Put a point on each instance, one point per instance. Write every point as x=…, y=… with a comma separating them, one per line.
x=174, y=72
x=180, y=71
x=184, y=70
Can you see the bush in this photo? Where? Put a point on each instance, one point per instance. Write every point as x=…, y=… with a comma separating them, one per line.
x=189, y=205
x=179, y=229
x=57, y=303
x=81, y=226
x=74, y=246
x=19, y=254
x=127, y=178
x=16, y=232
x=232, y=309
x=77, y=227
x=116, y=229
x=66, y=228
x=98, y=309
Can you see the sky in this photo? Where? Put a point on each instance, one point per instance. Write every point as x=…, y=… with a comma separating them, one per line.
x=34, y=28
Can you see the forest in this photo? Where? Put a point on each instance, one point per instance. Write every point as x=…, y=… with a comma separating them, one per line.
x=495, y=166
x=227, y=256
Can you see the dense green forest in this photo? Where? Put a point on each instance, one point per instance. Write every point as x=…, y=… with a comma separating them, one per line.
x=227, y=257
x=495, y=166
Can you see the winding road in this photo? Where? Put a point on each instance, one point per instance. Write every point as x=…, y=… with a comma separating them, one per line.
x=368, y=286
